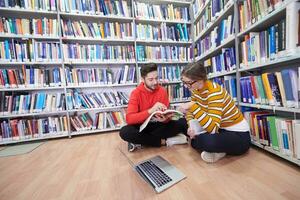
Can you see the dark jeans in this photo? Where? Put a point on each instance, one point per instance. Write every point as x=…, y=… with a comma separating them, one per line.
x=154, y=132
x=229, y=142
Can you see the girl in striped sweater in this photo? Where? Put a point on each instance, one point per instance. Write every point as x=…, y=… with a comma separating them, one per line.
x=212, y=109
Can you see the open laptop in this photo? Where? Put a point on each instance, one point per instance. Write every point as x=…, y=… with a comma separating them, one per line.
x=159, y=173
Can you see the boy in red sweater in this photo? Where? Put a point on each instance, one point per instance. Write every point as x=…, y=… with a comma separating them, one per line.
x=147, y=98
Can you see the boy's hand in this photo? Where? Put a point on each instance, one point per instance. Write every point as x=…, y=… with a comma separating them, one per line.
x=157, y=107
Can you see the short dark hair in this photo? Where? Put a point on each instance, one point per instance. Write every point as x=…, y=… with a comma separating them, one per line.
x=145, y=69
x=195, y=71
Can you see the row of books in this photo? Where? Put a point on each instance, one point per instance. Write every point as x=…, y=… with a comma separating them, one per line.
x=251, y=11
x=103, y=30
x=177, y=92
x=279, y=133
x=98, y=7
x=161, y=12
x=44, y=27
x=101, y=121
x=276, y=89
x=80, y=100
x=229, y=83
x=26, y=51
x=216, y=37
x=93, y=53
x=20, y=129
x=31, y=103
x=197, y=6
x=162, y=32
x=225, y=61
x=163, y=53
x=259, y=47
x=211, y=12
x=100, y=76
x=169, y=73
x=30, y=77
x=46, y=5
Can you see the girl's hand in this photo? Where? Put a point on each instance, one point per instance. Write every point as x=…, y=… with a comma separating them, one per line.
x=191, y=133
x=184, y=107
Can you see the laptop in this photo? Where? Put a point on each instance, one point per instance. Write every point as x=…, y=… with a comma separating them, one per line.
x=159, y=173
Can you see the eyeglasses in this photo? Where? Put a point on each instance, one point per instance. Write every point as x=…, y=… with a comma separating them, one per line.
x=188, y=83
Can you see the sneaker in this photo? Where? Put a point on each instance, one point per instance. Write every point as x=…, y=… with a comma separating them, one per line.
x=178, y=139
x=132, y=147
x=211, y=157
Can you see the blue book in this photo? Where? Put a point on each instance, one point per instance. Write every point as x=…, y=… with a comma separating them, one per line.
x=7, y=51
x=287, y=84
x=272, y=41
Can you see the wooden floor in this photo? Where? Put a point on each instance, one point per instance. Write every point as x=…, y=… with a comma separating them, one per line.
x=92, y=167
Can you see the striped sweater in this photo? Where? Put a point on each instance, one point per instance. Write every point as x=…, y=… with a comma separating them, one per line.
x=214, y=108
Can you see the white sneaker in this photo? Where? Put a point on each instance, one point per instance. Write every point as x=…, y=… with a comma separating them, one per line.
x=211, y=157
x=178, y=139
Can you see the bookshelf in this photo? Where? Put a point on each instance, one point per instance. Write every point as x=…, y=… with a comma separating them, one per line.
x=64, y=63
x=282, y=60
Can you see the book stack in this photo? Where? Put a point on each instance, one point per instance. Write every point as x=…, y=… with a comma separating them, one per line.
x=229, y=83
x=162, y=32
x=30, y=77
x=169, y=73
x=216, y=37
x=100, y=76
x=101, y=121
x=80, y=100
x=44, y=27
x=96, y=7
x=252, y=11
x=105, y=30
x=211, y=12
x=224, y=62
x=275, y=89
x=161, y=12
x=20, y=129
x=177, y=92
x=163, y=53
x=95, y=53
x=31, y=103
x=279, y=133
x=46, y=5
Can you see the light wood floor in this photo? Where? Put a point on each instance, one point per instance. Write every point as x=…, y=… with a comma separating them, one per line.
x=92, y=167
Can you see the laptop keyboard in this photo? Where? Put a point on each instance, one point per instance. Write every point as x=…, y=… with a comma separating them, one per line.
x=159, y=177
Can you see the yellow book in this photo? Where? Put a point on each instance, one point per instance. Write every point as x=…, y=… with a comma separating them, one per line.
x=267, y=88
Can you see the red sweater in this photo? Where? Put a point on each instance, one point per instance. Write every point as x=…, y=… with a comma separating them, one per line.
x=141, y=100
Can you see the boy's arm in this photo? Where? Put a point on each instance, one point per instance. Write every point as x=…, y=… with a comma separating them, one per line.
x=133, y=115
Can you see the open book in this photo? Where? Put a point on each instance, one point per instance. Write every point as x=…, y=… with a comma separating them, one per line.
x=163, y=113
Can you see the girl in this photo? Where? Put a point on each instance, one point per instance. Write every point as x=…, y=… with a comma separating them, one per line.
x=213, y=109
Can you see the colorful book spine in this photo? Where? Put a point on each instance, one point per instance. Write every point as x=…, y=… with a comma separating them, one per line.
x=161, y=12
x=169, y=73
x=23, y=27
x=98, y=53
x=80, y=100
x=177, y=92
x=31, y=77
x=32, y=103
x=105, y=30
x=162, y=32
x=46, y=5
x=22, y=129
x=163, y=53
x=98, y=121
x=97, y=7
x=100, y=76
x=275, y=89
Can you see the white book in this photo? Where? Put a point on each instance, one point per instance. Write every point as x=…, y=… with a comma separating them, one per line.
x=292, y=26
x=164, y=113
